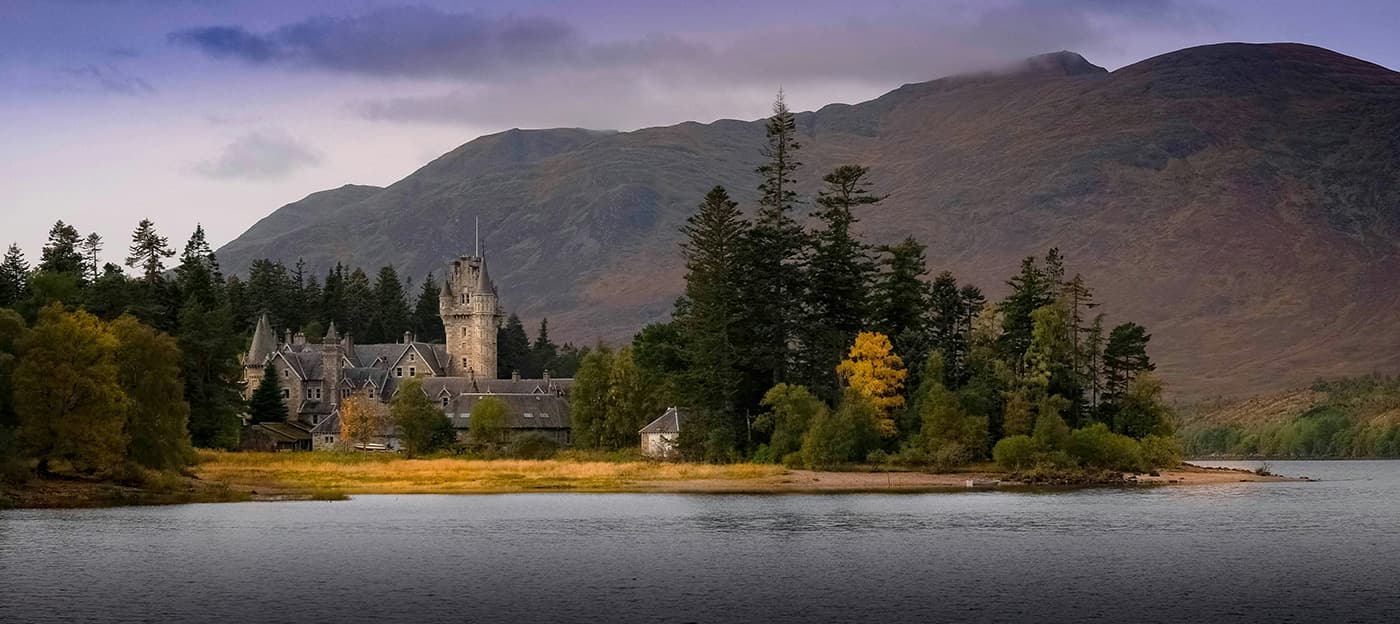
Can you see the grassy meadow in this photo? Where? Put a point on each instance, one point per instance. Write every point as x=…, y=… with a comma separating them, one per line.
x=326, y=475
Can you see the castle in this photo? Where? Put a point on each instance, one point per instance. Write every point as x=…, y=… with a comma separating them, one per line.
x=317, y=378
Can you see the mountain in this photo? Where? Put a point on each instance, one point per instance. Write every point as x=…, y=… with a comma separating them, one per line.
x=1242, y=201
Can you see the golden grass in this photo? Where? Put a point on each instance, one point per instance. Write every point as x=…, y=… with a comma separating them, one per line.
x=383, y=473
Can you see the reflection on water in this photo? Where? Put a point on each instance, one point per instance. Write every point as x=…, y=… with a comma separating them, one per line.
x=1327, y=551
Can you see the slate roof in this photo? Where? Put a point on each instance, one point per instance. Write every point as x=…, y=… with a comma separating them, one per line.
x=330, y=425
x=545, y=411
x=263, y=345
x=670, y=422
x=285, y=431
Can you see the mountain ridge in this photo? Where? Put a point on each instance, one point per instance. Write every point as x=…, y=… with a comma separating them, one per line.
x=1238, y=199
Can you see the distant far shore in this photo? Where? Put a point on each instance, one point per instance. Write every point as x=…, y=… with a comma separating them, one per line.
x=231, y=477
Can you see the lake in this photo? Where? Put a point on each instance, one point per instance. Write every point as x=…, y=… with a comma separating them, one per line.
x=1256, y=552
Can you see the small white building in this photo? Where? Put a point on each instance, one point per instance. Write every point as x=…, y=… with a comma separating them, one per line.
x=660, y=437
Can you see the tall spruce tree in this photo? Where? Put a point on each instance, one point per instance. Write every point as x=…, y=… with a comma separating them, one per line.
x=711, y=318
x=391, y=316
x=1031, y=290
x=63, y=253
x=427, y=318
x=266, y=403
x=543, y=352
x=14, y=277
x=899, y=296
x=333, y=298
x=359, y=303
x=1124, y=357
x=773, y=251
x=92, y=248
x=839, y=271
x=513, y=350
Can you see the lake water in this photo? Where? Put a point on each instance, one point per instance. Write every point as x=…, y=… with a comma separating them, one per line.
x=1257, y=552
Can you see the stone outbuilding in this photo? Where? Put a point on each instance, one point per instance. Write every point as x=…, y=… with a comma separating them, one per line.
x=659, y=438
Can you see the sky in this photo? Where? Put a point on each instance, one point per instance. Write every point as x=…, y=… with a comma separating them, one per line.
x=219, y=112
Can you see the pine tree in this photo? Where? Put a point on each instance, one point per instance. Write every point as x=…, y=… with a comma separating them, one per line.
x=1124, y=357
x=14, y=277
x=333, y=298
x=213, y=387
x=92, y=247
x=839, y=270
x=266, y=403
x=543, y=352
x=899, y=297
x=1031, y=290
x=62, y=254
x=112, y=294
x=391, y=316
x=427, y=319
x=774, y=251
x=513, y=350
x=710, y=316
x=359, y=303
x=148, y=251
x=197, y=274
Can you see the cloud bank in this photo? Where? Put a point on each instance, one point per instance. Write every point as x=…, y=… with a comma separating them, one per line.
x=260, y=155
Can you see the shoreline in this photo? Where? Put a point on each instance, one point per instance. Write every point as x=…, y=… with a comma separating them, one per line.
x=221, y=480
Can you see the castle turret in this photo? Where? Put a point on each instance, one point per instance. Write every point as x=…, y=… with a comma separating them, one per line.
x=471, y=314
x=264, y=344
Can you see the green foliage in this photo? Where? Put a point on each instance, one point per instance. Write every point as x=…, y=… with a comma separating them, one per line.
x=589, y=398
x=62, y=253
x=212, y=373
x=899, y=295
x=791, y=411
x=1141, y=411
x=843, y=435
x=1097, y=447
x=148, y=251
x=427, y=319
x=148, y=369
x=489, y=421
x=389, y=315
x=613, y=398
x=70, y=404
x=12, y=335
x=513, y=350
x=1161, y=451
x=418, y=421
x=543, y=352
x=1016, y=452
x=265, y=405
x=14, y=277
x=532, y=445
x=948, y=434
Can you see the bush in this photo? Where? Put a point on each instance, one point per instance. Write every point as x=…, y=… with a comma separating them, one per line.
x=843, y=435
x=1161, y=452
x=532, y=445
x=1015, y=452
x=1097, y=447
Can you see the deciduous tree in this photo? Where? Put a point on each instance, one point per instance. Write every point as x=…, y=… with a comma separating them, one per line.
x=876, y=373
x=157, y=416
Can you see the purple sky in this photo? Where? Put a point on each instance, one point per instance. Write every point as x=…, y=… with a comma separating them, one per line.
x=219, y=112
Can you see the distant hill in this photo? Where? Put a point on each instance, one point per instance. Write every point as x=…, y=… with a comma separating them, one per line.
x=1242, y=201
x=1348, y=417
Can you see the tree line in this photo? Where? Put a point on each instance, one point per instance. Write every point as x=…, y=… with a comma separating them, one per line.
x=808, y=345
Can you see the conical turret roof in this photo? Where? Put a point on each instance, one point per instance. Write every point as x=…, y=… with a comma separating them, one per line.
x=483, y=280
x=264, y=343
x=331, y=337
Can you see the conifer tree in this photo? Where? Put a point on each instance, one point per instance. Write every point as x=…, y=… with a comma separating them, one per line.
x=427, y=319
x=92, y=247
x=213, y=386
x=62, y=253
x=513, y=350
x=112, y=294
x=900, y=294
x=391, y=316
x=1031, y=290
x=270, y=291
x=266, y=403
x=14, y=277
x=839, y=270
x=148, y=252
x=710, y=317
x=359, y=304
x=774, y=251
x=543, y=352
x=333, y=298
x=1124, y=357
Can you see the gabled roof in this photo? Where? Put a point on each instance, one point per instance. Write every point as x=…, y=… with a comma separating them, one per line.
x=285, y=431
x=330, y=425
x=545, y=411
x=670, y=422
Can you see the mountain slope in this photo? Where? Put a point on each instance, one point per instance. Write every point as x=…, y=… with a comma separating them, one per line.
x=1242, y=201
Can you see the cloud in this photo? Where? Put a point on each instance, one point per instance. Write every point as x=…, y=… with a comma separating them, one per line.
x=109, y=79
x=543, y=70
x=267, y=154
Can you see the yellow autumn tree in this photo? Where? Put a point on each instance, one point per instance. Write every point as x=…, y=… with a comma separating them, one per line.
x=361, y=421
x=874, y=371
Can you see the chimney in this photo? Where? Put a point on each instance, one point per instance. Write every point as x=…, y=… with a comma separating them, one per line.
x=407, y=337
x=546, y=377
x=287, y=336
x=515, y=375
x=299, y=338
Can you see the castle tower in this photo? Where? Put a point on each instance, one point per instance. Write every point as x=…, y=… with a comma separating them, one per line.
x=264, y=344
x=471, y=314
x=330, y=365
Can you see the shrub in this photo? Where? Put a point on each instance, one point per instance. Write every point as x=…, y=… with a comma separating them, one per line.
x=843, y=435
x=1014, y=452
x=533, y=445
x=1161, y=452
x=1097, y=447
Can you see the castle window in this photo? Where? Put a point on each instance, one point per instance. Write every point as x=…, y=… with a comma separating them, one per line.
x=464, y=363
x=286, y=373
x=371, y=393
x=344, y=393
x=464, y=331
x=398, y=372
x=286, y=393
x=444, y=402
x=412, y=357
x=463, y=299
x=412, y=372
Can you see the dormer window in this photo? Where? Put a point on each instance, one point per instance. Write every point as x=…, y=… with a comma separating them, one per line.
x=444, y=402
